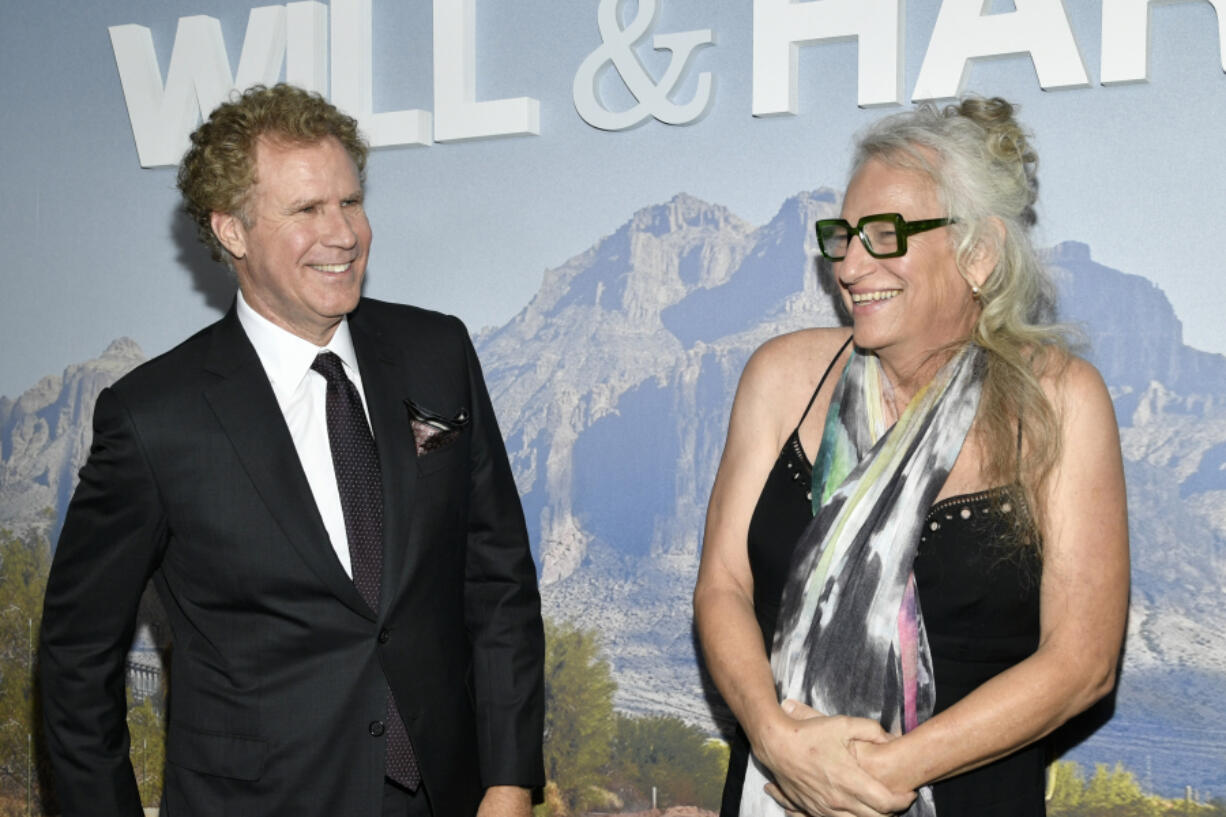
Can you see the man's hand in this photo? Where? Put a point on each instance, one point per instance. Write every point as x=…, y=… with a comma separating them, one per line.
x=505, y=801
x=815, y=769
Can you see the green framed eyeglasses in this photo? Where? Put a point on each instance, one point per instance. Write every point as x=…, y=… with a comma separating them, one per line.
x=884, y=235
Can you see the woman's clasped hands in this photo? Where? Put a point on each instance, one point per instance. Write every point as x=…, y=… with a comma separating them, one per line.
x=813, y=760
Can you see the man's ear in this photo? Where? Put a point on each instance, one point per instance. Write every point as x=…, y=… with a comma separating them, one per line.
x=984, y=257
x=230, y=232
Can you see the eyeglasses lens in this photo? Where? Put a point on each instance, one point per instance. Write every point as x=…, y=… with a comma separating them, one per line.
x=882, y=237
x=834, y=239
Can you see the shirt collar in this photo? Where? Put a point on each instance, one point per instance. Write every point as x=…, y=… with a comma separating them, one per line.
x=286, y=357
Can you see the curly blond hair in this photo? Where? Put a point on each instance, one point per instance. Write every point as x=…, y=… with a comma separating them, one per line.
x=218, y=170
x=984, y=167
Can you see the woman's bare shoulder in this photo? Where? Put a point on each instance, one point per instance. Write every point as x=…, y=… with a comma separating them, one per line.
x=780, y=378
x=797, y=358
x=1071, y=382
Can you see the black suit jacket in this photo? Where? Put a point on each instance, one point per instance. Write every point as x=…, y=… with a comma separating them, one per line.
x=278, y=666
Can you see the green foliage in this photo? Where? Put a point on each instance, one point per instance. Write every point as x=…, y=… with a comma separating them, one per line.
x=1065, y=786
x=596, y=759
x=579, y=722
x=147, y=749
x=685, y=766
x=24, y=561
x=1113, y=792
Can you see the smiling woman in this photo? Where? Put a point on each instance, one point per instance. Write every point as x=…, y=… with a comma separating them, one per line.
x=949, y=583
x=912, y=303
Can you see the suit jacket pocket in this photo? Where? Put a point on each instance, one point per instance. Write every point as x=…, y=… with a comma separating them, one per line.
x=234, y=756
x=443, y=457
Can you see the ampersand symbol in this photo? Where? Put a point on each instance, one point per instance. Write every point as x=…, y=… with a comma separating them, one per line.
x=617, y=47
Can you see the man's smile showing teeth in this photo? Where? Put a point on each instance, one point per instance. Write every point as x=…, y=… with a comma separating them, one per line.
x=330, y=267
x=869, y=297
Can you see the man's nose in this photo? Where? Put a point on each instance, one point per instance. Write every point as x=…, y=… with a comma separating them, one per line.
x=339, y=230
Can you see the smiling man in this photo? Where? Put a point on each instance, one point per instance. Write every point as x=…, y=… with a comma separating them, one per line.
x=319, y=490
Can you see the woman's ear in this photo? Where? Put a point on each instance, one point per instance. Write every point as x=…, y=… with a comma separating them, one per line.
x=983, y=258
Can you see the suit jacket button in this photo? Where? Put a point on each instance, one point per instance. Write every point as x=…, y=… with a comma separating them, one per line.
x=384, y=635
x=375, y=729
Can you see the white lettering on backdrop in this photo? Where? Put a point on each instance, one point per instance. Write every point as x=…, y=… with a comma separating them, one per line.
x=198, y=78
x=353, y=80
x=457, y=113
x=963, y=32
x=1036, y=27
x=296, y=36
x=779, y=26
x=617, y=49
x=1126, y=38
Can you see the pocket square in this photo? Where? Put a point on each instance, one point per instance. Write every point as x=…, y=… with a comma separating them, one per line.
x=431, y=430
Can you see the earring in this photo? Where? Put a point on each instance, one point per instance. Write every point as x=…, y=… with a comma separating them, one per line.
x=975, y=291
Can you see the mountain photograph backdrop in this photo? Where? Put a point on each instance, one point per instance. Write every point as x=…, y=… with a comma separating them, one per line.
x=613, y=388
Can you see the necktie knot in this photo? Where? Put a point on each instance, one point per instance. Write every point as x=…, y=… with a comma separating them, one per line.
x=331, y=367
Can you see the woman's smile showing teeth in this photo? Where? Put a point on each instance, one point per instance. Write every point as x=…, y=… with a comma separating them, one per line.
x=331, y=267
x=869, y=297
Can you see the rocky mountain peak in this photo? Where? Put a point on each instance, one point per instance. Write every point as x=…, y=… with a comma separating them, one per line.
x=1068, y=252
x=807, y=206
x=45, y=434
x=627, y=278
x=1135, y=337
x=123, y=349
x=683, y=212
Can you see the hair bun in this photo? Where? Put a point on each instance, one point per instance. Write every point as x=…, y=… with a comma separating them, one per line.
x=1004, y=139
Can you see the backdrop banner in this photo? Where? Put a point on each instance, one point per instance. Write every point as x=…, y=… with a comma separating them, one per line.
x=617, y=197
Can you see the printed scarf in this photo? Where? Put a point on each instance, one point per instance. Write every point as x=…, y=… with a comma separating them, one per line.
x=850, y=639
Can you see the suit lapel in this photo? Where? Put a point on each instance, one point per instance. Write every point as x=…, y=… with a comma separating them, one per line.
x=247, y=409
x=385, y=383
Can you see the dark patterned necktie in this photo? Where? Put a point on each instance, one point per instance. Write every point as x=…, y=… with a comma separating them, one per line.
x=358, y=479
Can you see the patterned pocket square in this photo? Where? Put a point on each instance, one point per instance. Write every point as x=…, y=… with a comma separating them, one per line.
x=431, y=430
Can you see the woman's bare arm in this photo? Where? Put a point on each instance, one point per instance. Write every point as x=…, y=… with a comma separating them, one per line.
x=810, y=758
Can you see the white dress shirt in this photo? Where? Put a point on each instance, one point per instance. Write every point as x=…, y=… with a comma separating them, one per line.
x=302, y=395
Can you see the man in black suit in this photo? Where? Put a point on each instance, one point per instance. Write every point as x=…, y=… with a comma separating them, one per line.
x=356, y=621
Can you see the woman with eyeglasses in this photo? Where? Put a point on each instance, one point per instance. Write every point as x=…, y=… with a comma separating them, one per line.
x=915, y=564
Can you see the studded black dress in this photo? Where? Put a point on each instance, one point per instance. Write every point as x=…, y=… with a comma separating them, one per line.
x=979, y=594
